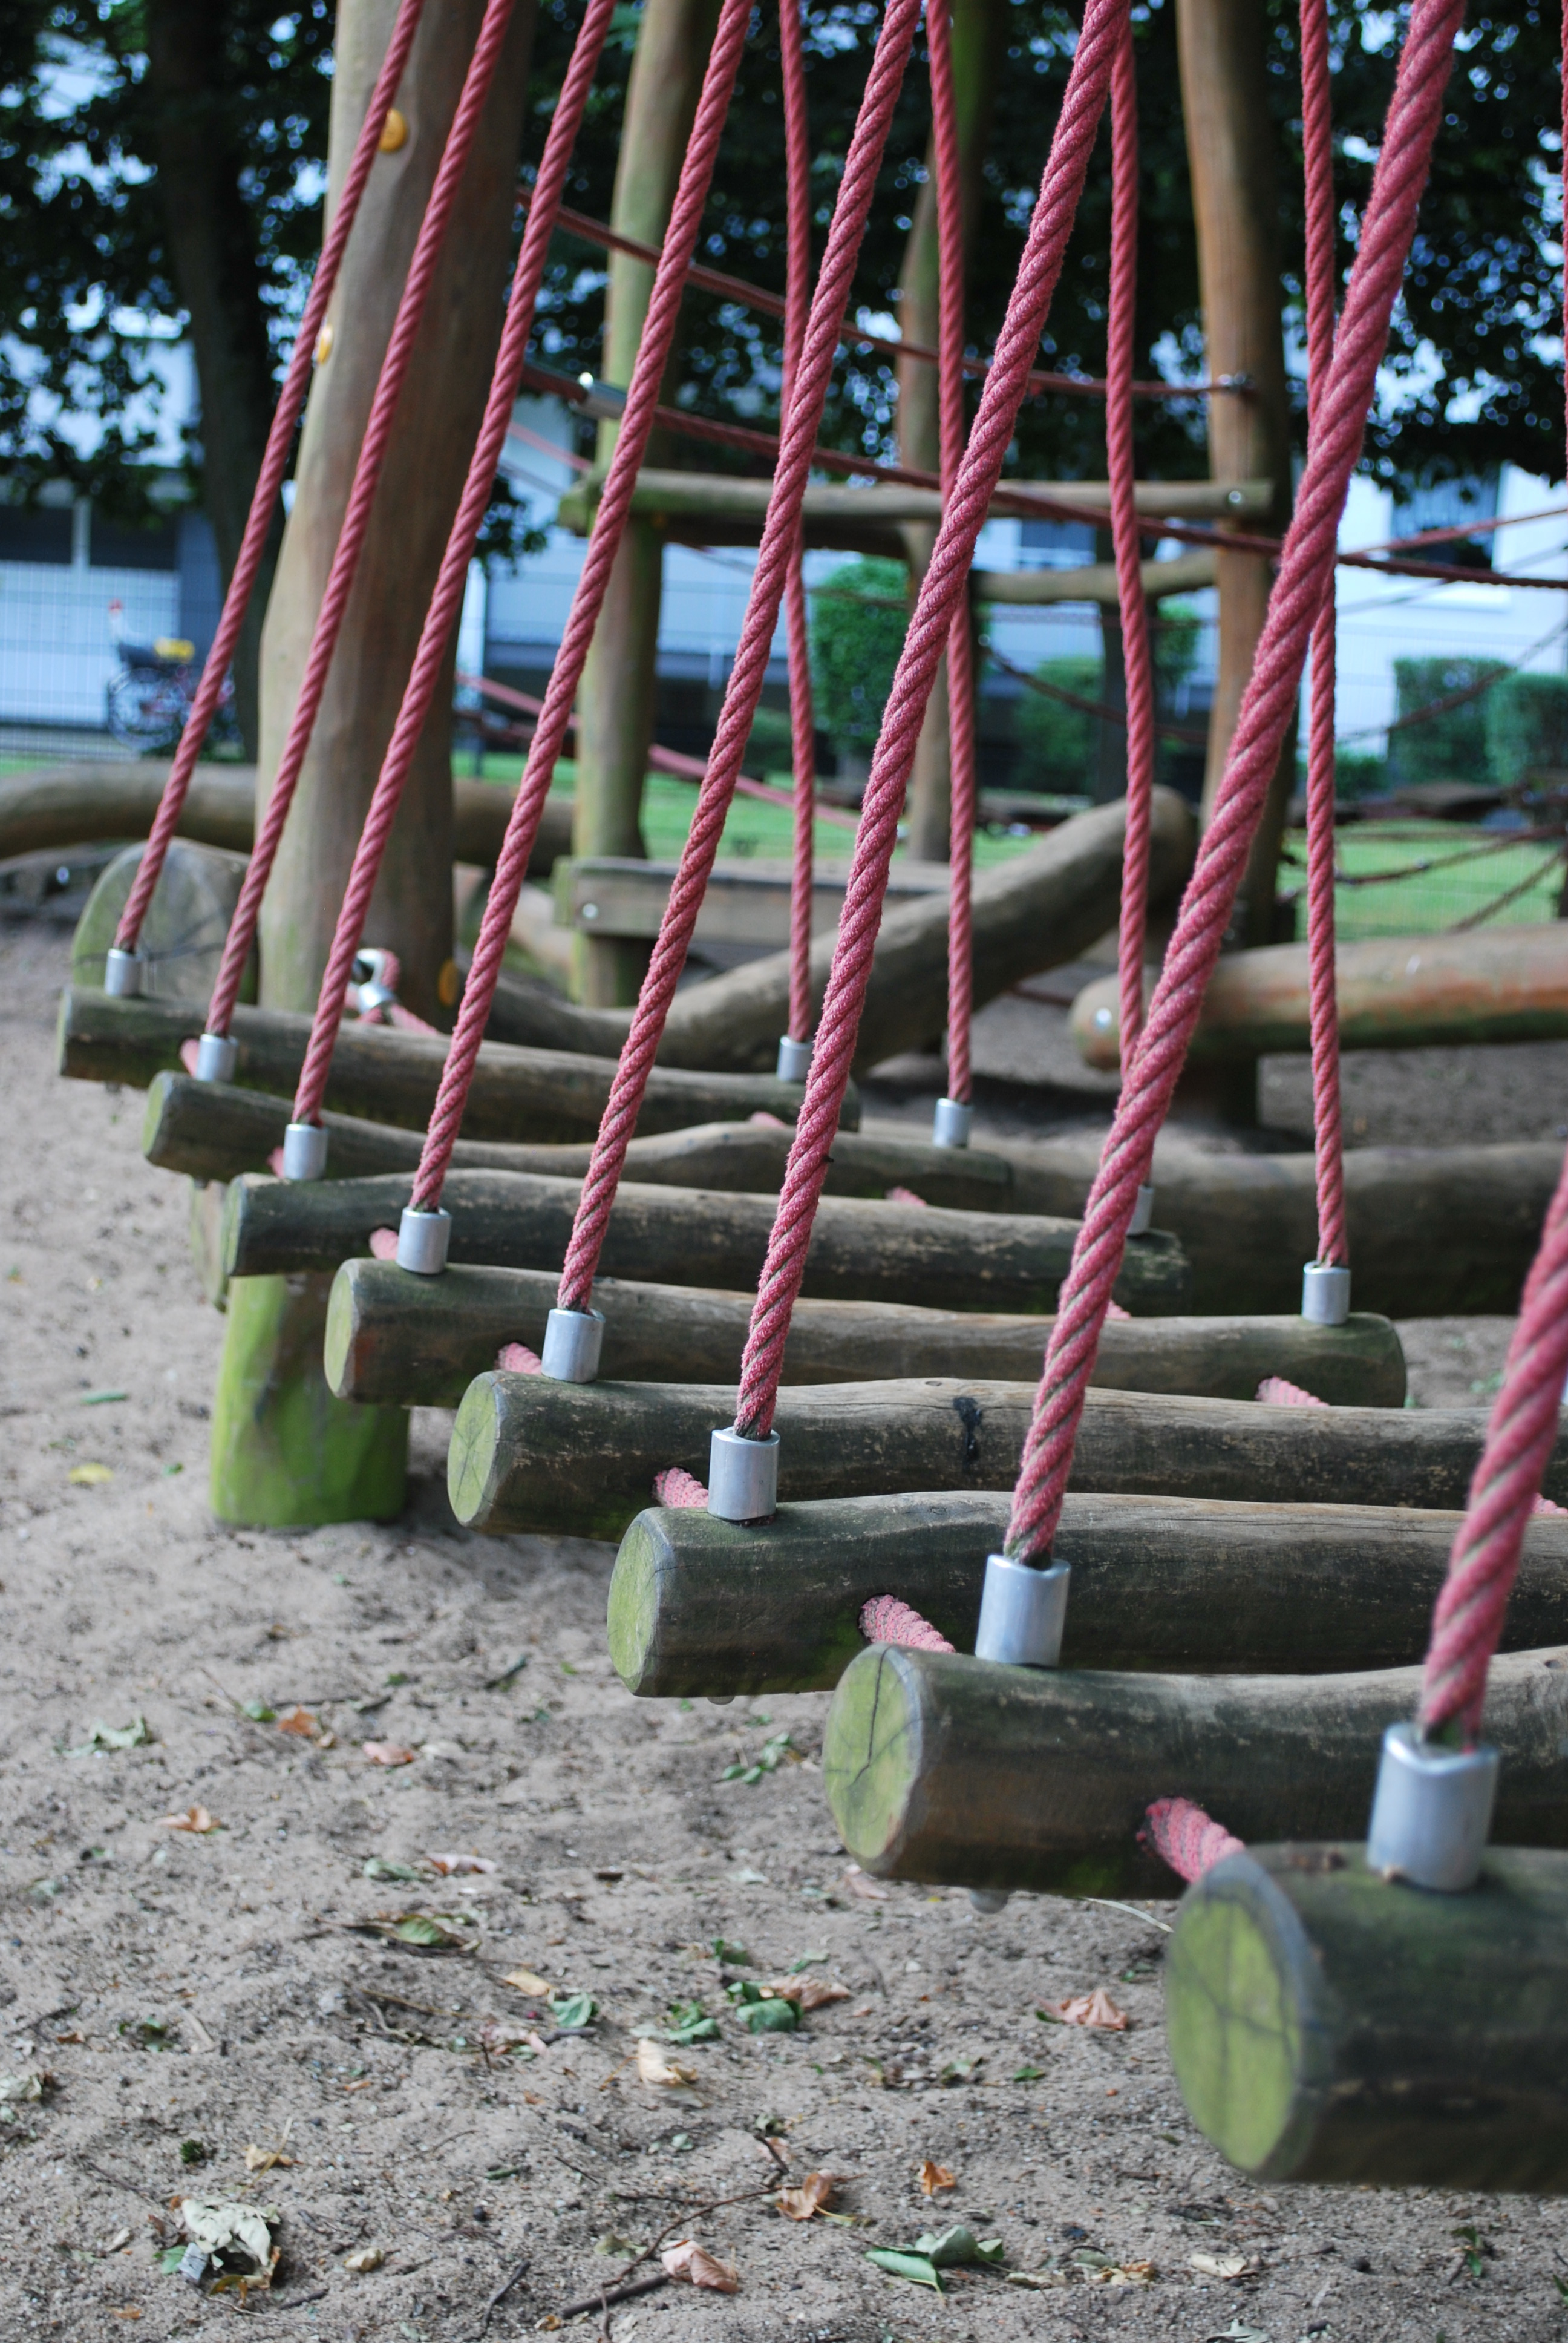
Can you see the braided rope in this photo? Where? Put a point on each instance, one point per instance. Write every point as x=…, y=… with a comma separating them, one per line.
x=802, y=713
x=351, y=538
x=776, y=553
x=1317, y=140
x=942, y=587
x=1128, y=543
x=679, y=1490
x=962, y=775
x=885, y=1620
x=1306, y=569
x=270, y=479
x=1187, y=1838
x=446, y=608
x=610, y=525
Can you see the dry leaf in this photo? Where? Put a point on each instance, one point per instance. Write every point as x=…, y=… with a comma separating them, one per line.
x=1095, y=2008
x=698, y=2266
x=388, y=1753
x=858, y=1883
x=449, y=1865
x=496, y=2037
x=1225, y=2265
x=934, y=2175
x=368, y=2258
x=88, y=1476
x=194, y=1819
x=654, y=2068
x=526, y=1982
x=814, y=2195
x=817, y=1992
x=265, y=2159
x=298, y=1720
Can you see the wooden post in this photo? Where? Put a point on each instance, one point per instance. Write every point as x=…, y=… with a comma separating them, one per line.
x=283, y=1450
x=979, y=32
x=615, y=699
x=1235, y=202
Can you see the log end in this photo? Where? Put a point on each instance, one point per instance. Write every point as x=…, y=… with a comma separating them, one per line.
x=473, y=1458
x=872, y=1755
x=631, y=1618
x=339, y=1348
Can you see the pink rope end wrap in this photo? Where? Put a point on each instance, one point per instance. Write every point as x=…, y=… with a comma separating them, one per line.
x=680, y=1490
x=517, y=1359
x=886, y=1620
x=1274, y=1390
x=1187, y=1838
x=382, y=1242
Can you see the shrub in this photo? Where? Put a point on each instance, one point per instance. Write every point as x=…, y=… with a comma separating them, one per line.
x=1057, y=742
x=855, y=646
x=1452, y=747
x=1527, y=727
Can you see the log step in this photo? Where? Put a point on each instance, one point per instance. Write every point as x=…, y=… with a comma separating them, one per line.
x=951, y=1770
x=420, y=1342
x=700, y=1607
x=529, y=1453
x=1326, y=2024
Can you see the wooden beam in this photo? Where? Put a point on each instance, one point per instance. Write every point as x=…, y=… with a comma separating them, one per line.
x=1092, y=581
x=530, y=1455
x=1315, y=2033
x=186, y=924
x=701, y=1607
x=687, y=1236
x=390, y=1337
x=746, y=902
x=728, y=497
x=956, y=1772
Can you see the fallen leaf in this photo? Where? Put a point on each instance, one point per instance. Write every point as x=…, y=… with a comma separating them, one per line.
x=435, y=1931
x=526, y=1982
x=497, y=2038
x=697, y=2266
x=100, y=1735
x=1039, y=2280
x=814, y=2195
x=1239, y=2331
x=368, y=2258
x=379, y=1868
x=934, y=2175
x=573, y=2011
x=913, y=2268
x=449, y=1865
x=386, y=1753
x=300, y=1721
x=858, y=1885
x=220, y=2227
x=1095, y=2008
x=16, y=2090
x=265, y=2159
x=90, y=1476
x=957, y=2247
x=194, y=1819
x=807, y=1991
x=1225, y=2265
x=655, y=2069
x=113, y=2245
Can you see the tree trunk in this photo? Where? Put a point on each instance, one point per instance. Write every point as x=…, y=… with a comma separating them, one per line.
x=1235, y=202
x=615, y=699
x=979, y=32
x=217, y=275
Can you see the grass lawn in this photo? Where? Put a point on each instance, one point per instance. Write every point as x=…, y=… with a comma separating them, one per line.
x=1451, y=874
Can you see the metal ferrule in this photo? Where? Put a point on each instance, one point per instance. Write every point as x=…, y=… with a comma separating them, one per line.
x=1142, y=1218
x=1022, y=1613
x=573, y=1341
x=1326, y=1294
x=743, y=1477
x=987, y=1900
x=217, y=1058
x=951, y=1122
x=1432, y=1812
x=303, y=1151
x=422, y=1241
x=122, y=974
x=794, y=1061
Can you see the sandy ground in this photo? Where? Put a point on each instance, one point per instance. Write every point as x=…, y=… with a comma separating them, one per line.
x=183, y=2000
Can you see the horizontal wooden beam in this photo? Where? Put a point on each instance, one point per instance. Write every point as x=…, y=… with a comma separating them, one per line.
x=420, y=1342
x=1093, y=581
x=953, y=1771
x=745, y=903
x=701, y=1607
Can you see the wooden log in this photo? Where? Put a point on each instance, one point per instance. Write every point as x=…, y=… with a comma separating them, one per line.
x=382, y=1073
x=1396, y=992
x=421, y=1343
x=530, y=1455
x=182, y=934
x=746, y=902
x=948, y=1769
x=703, y=1607
x=57, y=806
x=690, y=1236
x=1326, y=2024
x=1092, y=581
x=727, y=498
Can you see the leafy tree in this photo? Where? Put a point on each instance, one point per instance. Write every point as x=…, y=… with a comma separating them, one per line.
x=858, y=627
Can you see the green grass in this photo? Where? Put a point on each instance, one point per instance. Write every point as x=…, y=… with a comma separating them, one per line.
x=1429, y=901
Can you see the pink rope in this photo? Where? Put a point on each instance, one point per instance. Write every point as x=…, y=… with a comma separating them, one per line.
x=961, y=780
x=1305, y=567
x=1317, y=140
x=781, y=538
x=373, y=447
x=1186, y=1838
x=943, y=585
x=886, y=1620
x=1128, y=543
x=802, y=713
x=609, y=525
x=904, y=1196
x=512, y=1358
x=446, y=601
x=1275, y=1391
x=270, y=479
x=679, y=1490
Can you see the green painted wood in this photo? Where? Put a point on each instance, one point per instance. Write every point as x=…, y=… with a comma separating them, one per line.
x=1326, y=2024
x=951, y=1770
x=702, y=1606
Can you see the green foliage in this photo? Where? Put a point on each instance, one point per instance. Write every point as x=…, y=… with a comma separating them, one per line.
x=1057, y=741
x=1450, y=747
x=1527, y=727
x=857, y=633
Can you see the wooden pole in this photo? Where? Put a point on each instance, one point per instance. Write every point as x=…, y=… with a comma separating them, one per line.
x=978, y=37
x=283, y=1450
x=616, y=700
x=1233, y=164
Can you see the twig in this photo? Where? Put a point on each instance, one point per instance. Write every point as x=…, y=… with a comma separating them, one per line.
x=1110, y=1904
x=112, y=2180
x=498, y=2296
x=622, y=2291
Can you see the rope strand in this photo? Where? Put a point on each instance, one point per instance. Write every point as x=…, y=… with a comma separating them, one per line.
x=802, y=713
x=962, y=778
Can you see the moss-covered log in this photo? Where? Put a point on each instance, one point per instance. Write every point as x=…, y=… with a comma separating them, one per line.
x=949, y=1769
x=421, y=1342
x=1327, y=2024
x=700, y=1605
x=531, y=1454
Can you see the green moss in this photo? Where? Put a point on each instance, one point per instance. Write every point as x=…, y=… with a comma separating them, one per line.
x=287, y=1454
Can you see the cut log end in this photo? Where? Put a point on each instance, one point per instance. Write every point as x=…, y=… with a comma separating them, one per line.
x=872, y=1756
